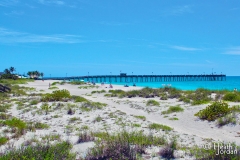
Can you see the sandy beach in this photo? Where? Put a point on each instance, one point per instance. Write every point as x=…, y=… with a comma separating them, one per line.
x=189, y=129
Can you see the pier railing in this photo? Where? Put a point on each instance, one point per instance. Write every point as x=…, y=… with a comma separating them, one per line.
x=144, y=78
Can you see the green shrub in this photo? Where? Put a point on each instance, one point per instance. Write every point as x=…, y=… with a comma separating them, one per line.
x=3, y=140
x=53, y=87
x=174, y=118
x=39, y=125
x=235, y=108
x=15, y=122
x=159, y=126
x=4, y=116
x=77, y=83
x=79, y=99
x=41, y=152
x=56, y=95
x=174, y=93
x=227, y=119
x=98, y=119
x=141, y=117
x=107, y=95
x=200, y=96
x=163, y=96
x=233, y=97
x=102, y=91
x=213, y=111
x=172, y=109
x=122, y=145
x=136, y=125
x=54, y=83
x=5, y=107
x=73, y=119
x=33, y=102
x=46, y=108
x=152, y=102
x=184, y=99
x=131, y=94
x=18, y=124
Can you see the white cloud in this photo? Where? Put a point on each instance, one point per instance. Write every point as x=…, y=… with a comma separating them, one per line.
x=19, y=13
x=182, y=48
x=233, y=51
x=190, y=64
x=8, y=36
x=178, y=10
x=6, y=3
x=48, y=2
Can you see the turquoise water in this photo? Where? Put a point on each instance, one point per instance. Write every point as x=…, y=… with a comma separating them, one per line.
x=230, y=83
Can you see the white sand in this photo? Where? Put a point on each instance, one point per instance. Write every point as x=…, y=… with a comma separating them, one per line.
x=189, y=128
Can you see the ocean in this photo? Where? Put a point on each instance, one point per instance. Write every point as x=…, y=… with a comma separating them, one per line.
x=230, y=83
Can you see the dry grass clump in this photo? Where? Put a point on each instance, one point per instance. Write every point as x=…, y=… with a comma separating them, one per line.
x=227, y=119
x=168, y=150
x=122, y=145
x=85, y=137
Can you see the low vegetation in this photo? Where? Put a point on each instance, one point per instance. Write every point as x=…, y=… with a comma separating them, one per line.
x=214, y=111
x=233, y=97
x=59, y=95
x=173, y=109
x=212, y=153
x=152, y=102
x=41, y=152
x=157, y=126
x=227, y=119
x=122, y=145
x=141, y=117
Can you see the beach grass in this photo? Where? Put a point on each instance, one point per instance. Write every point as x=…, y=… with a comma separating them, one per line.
x=173, y=109
x=157, y=126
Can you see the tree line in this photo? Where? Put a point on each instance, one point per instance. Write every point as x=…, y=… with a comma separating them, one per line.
x=35, y=74
x=8, y=73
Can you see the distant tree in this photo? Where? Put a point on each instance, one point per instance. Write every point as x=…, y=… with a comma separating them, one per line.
x=35, y=74
x=6, y=71
x=42, y=74
x=30, y=74
x=12, y=69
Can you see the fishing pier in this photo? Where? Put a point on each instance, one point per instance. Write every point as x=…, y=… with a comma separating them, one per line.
x=143, y=78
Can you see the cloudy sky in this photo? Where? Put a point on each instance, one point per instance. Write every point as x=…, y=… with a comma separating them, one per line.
x=74, y=37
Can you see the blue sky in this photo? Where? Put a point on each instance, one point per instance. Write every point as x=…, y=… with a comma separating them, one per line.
x=74, y=37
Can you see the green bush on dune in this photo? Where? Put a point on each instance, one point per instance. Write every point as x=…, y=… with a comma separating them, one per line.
x=152, y=102
x=79, y=99
x=172, y=109
x=56, y=96
x=214, y=111
x=233, y=97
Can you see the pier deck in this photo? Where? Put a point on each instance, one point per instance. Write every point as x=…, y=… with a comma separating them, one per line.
x=144, y=78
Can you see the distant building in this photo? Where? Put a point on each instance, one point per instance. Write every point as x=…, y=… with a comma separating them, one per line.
x=123, y=74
